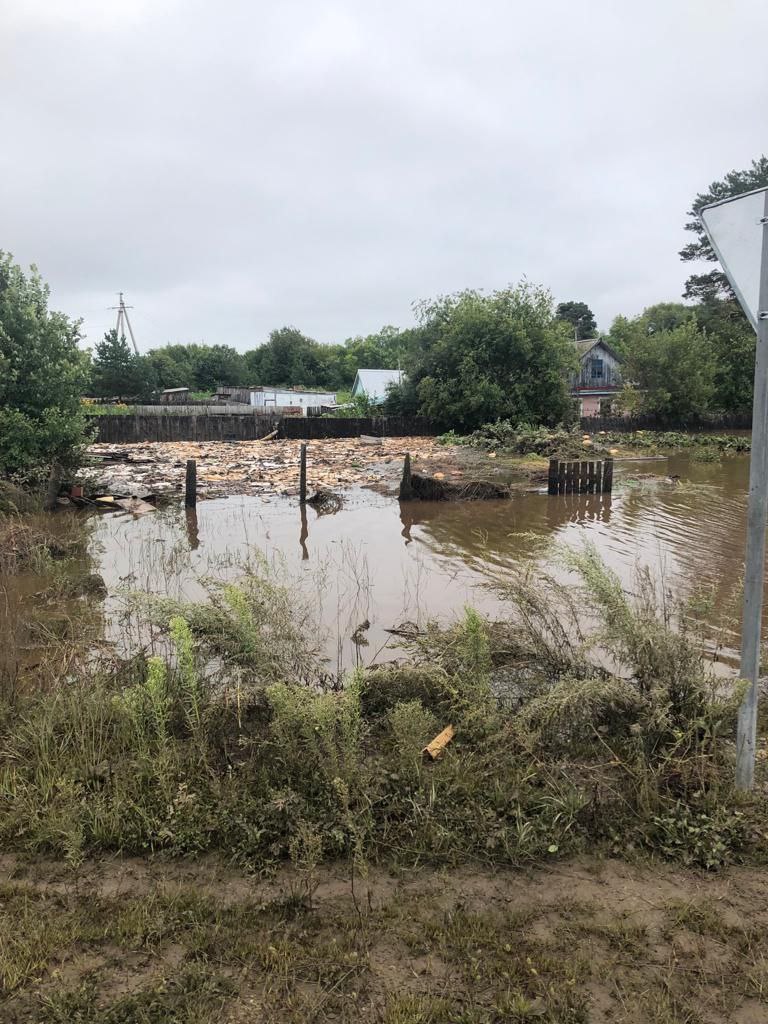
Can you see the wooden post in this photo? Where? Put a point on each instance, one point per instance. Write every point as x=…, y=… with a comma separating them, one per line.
x=591, y=478
x=303, y=475
x=583, y=477
x=608, y=476
x=570, y=478
x=190, y=486
x=406, y=487
x=561, y=478
x=54, y=483
x=552, y=482
x=598, y=477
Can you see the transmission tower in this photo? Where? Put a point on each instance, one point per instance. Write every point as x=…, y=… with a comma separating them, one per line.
x=123, y=322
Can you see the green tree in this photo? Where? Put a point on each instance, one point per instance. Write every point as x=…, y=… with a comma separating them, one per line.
x=713, y=286
x=672, y=370
x=732, y=340
x=118, y=372
x=476, y=358
x=43, y=374
x=580, y=317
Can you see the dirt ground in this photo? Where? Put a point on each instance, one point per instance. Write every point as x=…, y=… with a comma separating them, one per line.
x=254, y=467
x=587, y=940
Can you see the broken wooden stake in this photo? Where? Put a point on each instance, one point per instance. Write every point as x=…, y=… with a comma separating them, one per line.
x=303, y=475
x=190, y=484
x=434, y=749
x=406, y=487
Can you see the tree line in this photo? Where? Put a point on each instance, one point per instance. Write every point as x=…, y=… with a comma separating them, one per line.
x=288, y=359
x=469, y=358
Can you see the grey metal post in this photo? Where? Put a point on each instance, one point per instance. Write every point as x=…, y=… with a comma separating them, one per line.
x=746, y=730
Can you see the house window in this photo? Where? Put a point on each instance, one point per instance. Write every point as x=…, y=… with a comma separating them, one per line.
x=597, y=369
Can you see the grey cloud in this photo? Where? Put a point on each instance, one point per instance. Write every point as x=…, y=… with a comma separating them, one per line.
x=236, y=166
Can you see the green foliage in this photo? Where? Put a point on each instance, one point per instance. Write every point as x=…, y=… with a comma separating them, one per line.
x=580, y=317
x=196, y=366
x=713, y=286
x=43, y=373
x=118, y=371
x=673, y=370
x=475, y=358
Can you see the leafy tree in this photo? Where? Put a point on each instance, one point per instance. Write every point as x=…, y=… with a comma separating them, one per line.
x=714, y=285
x=672, y=371
x=43, y=374
x=580, y=317
x=476, y=358
x=216, y=364
x=118, y=371
x=732, y=340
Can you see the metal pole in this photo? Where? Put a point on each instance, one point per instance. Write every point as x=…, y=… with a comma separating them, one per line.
x=746, y=730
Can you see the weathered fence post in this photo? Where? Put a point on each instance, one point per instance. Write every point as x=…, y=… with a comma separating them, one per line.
x=54, y=483
x=406, y=487
x=552, y=480
x=303, y=475
x=608, y=476
x=190, y=484
x=598, y=477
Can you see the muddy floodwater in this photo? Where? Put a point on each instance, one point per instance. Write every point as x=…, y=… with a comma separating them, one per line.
x=383, y=563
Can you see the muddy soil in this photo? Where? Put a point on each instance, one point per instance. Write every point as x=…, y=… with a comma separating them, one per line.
x=588, y=941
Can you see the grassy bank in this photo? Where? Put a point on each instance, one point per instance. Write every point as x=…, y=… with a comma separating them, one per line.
x=231, y=744
x=234, y=742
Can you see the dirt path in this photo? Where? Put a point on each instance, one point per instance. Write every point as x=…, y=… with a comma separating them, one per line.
x=582, y=941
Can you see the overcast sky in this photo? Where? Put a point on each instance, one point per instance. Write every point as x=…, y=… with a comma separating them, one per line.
x=235, y=166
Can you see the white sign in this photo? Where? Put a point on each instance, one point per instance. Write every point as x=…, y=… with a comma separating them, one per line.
x=735, y=229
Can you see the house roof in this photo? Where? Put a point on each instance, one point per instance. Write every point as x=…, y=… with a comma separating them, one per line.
x=375, y=382
x=585, y=347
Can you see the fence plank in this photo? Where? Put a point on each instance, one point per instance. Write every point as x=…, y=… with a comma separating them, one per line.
x=552, y=479
x=583, y=477
x=561, y=478
x=598, y=477
x=608, y=476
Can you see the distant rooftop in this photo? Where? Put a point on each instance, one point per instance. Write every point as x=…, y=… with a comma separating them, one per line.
x=374, y=383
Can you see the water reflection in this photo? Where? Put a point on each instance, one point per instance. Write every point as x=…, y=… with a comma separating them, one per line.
x=388, y=561
x=304, y=533
x=193, y=531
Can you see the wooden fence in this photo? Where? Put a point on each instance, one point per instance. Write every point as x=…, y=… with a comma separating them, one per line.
x=133, y=429
x=580, y=477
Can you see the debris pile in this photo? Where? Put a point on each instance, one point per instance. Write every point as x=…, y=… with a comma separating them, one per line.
x=262, y=467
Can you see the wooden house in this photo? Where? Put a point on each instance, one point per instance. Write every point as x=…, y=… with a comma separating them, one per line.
x=598, y=379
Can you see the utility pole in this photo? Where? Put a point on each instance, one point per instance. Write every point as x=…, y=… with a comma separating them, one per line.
x=123, y=322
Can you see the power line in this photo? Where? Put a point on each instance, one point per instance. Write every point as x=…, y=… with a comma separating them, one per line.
x=122, y=318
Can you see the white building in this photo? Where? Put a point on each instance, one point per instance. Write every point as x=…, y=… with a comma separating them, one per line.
x=270, y=399
x=374, y=383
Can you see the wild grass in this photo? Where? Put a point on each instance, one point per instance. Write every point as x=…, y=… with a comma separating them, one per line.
x=612, y=734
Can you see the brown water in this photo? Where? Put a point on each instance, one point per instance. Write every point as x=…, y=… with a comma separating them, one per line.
x=382, y=562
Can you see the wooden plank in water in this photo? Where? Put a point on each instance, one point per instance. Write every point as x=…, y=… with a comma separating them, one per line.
x=583, y=477
x=591, y=478
x=598, y=477
x=561, y=478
